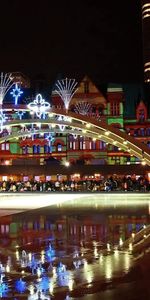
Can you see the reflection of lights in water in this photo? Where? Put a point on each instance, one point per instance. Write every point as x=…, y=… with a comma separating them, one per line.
x=116, y=253
x=85, y=263
x=44, y=284
x=42, y=256
x=95, y=252
x=39, y=272
x=39, y=296
x=101, y=258
x=17, y=255
x=108, y=269
x=89, y=276
x=130, y=247
x=31, y=289
x=7, y=268
x=54, y=271
x=126, y=261
x=20, y=285
x=144, y=236
x=70, y=284
x=108, y=247
x=120, y=242
x=76, y=254
x=30, y=256
x=3, y=289
x=133, y=235
x=144, y=226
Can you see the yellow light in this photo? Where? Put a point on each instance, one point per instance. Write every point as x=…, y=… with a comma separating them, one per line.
x=107, y=133
x=143, y=163
x=67, y=163
x=88, y=125
x=130, y=247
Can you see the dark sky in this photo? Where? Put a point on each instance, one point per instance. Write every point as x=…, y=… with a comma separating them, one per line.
x=99, y=38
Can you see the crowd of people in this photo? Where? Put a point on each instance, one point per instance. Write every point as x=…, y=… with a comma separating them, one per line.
x=126, y=183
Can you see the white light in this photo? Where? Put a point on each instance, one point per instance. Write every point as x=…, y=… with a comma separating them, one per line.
x=83, y=108
x=39, y=106
x=67, y=163
x=66, y=89
x=5, y=85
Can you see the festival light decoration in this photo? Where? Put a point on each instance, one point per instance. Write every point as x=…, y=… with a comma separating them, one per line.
x=16, y=93
x=66, y=88
x=39, y=106
x=83, y=108
x=25, y=132
x=2, y=120
x=5, y=85
x=20, y=114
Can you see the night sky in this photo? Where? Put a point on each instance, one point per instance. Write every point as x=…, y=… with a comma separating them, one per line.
x=72, y=38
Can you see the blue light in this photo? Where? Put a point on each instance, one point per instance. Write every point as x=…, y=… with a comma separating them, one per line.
x=16, y=93
x=44, y=285
x=3, y=289
x=20, y=285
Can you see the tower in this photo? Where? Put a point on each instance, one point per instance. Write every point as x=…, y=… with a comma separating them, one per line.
x=146, y=38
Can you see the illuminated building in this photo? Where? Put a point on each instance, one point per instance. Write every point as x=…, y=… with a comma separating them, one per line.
x=92, y=131
x=146, y=41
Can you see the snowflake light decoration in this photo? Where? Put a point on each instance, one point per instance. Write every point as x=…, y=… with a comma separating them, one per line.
x=16, y=93
x=2, y=119
x=5, y=85
x=39, y=106
x=82, y=108
x=66, y=89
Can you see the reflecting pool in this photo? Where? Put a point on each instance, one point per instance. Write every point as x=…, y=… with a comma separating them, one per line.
x=66, y=246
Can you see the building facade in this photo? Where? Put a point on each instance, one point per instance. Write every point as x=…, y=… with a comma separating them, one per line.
x=26, y=143
x=146, y=41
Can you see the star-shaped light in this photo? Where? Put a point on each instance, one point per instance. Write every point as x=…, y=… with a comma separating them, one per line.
x=16, y=93
x=39, y=106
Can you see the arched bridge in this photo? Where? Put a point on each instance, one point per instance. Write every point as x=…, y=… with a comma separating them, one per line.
x=58, y=121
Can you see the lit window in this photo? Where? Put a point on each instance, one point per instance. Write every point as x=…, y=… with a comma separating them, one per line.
x=3, y=147
x=7, y=146
x=59, y=147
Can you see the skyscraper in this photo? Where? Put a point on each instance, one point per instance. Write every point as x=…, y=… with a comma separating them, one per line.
x=146, y=38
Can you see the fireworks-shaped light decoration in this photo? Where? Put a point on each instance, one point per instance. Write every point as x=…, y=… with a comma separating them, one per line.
x=16, y=93
x=39, y=106
x=66, y=88
x=2, y=120
x=5, y=85
x=83, y=108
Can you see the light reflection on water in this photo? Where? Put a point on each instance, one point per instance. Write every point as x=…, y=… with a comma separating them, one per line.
x=72, y=244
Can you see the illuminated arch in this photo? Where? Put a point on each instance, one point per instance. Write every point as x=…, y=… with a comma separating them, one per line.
x=76, y=124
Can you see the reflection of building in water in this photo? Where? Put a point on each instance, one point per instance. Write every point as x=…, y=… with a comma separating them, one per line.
x=100, y=227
